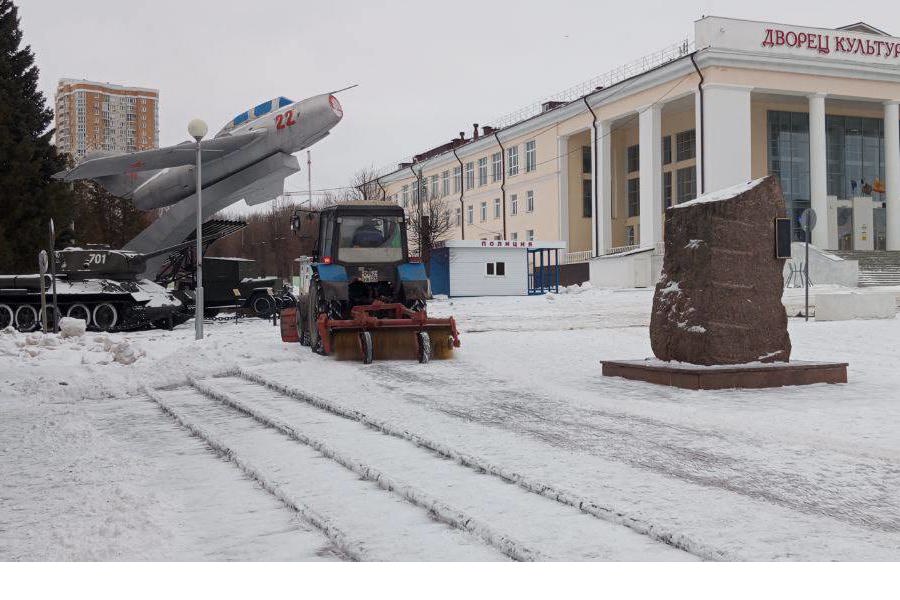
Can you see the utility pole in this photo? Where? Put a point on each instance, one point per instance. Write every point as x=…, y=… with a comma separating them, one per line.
x=309, y=176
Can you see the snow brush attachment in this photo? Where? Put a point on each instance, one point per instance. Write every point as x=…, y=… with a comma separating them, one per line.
x=388, y=332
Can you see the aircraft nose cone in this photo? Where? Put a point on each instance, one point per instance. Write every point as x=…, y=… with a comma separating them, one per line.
x=336, y=106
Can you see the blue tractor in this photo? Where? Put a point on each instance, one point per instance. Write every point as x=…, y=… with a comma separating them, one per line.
x=360, y=294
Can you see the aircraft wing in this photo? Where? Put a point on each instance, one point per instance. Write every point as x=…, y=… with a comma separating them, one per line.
x=162, y=158
x=263, y=190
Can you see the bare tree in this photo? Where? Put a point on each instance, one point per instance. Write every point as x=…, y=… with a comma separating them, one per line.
x=364, y=187
x=428, y=223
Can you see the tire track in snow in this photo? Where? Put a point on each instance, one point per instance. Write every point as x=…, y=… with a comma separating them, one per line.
x=361, y=520
x=444, y=513
x=353, y=549
x=565, y=497
x=859, y=494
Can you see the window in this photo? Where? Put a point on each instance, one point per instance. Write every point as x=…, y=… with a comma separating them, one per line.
x=512, y=161
x=484, y=211
x=530, y=156
x=496, y=208
x=634, y=197
x=634, y=158
x=368, y=239
x=667, y=150
x=687, y=184
x=514, y=204
x=470, y=214
x=445, y=183
x=529, y=201
x=667, y=189
x=457, y=180
x=470, y=175
x=496, y=166
x=495, y=269
x=788, y=158
x=529, y=235
x=586, y=163
x=434, y=186
x=685, y=143
x=497, y=238
x=458, y=217
x=514, y=236
x=482, y=171
x=405, y=196
x=587, y=188
x=629, y=235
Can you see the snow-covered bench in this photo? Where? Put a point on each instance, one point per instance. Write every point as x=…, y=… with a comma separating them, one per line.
x=843, y=306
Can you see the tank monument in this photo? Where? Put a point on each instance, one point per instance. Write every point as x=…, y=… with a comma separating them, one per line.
x=717, y=319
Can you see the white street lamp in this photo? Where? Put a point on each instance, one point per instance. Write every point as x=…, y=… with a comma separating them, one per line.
x=197, y=129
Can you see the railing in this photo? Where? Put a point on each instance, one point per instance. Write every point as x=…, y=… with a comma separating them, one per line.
x=575, y=257
x=621, y=249
x=612, y=77
x=659, y=248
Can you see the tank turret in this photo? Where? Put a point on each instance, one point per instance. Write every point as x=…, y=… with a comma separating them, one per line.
x=99, y=261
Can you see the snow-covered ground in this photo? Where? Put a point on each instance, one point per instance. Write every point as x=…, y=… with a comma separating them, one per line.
x=153, y=446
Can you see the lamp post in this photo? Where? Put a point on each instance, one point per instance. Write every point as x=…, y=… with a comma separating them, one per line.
x=197, y=130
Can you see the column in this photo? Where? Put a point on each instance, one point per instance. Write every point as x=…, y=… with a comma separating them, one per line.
x=727, y=138
x=892, y=172
x=650, y=140
x=603, y=188
x=595, y=194
x=563, y=165
x=698, y=150
x=818, y=182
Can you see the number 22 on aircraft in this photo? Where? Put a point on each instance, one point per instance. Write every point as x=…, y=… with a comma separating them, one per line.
x=285, y=119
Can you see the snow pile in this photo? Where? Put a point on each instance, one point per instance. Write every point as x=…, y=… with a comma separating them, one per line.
x=70, y=346
x=122, y=351
x=69, y=327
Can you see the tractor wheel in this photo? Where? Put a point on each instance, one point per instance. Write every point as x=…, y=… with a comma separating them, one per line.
x=366, y=347
x=317, y=306
x=302, y=330
x=424, y=349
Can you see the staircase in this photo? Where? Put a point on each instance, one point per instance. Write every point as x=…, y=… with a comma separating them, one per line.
x=876, y=267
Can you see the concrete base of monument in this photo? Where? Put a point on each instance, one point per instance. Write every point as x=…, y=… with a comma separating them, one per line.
x=717, y=377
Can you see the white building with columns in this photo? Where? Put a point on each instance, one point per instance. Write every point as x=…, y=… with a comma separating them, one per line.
x=597, y=168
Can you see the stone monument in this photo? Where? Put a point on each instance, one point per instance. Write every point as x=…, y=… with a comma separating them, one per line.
x=717, y=319
x=718, y=301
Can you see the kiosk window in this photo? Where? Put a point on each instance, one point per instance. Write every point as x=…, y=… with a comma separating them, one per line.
x=495, y=269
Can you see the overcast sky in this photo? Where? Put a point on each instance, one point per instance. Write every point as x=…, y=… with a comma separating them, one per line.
x=426, y=70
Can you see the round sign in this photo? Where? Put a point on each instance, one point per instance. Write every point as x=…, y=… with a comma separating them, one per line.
x=43, y=262
x=808, y=219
